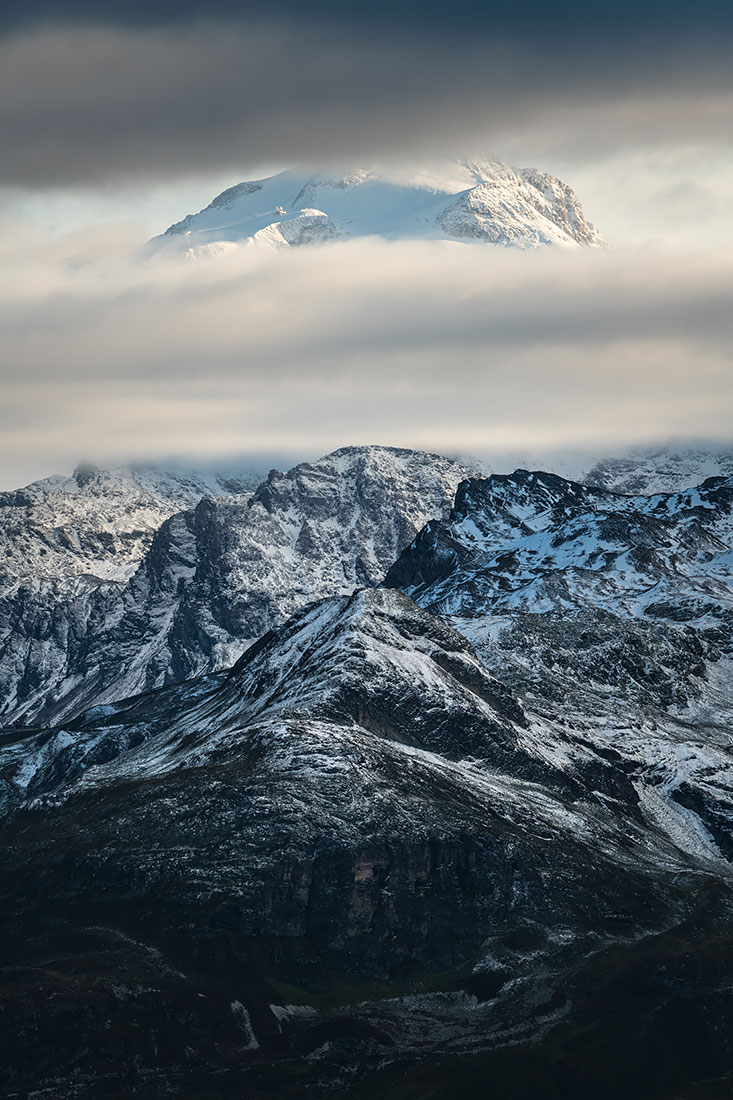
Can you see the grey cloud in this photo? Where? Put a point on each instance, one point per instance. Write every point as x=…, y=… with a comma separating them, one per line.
x=365, y=297
x=574, y=18
x=443, y=346
x=83, y=104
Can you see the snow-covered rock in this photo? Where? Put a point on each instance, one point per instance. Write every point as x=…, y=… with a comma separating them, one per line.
x=386, y=837
x=358, y=839
x=666, y=469
x=361, y=721
x=217, y=576
x=69, y=545
x=612, y=618
x=479, y=200
x=100, y=521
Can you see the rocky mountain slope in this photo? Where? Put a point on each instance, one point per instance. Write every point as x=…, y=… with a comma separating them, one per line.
x=612, y=617
x=214, y=578
x=69, y=544
x=99, y=522
x=353, y=856
x=468, y=830
x=660, y=470
x=472, y=200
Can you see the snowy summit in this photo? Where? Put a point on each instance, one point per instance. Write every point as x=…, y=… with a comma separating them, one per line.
x=471, y=200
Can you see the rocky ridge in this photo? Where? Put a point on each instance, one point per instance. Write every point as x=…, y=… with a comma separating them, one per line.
x=217, y=576
x=99, y=522
x=610, y=616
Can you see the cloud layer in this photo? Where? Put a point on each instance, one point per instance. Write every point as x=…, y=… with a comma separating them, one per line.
x=573, y=18
x=433, y=345
x=85, y=103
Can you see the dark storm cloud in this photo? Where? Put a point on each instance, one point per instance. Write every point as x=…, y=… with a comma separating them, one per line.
x=573, y=17
x=81, y=103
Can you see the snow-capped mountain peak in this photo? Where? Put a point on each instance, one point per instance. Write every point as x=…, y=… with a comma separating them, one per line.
x=99, y=521
x=466, y=200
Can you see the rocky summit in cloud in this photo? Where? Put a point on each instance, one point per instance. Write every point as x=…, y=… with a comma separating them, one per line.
x=469, y=200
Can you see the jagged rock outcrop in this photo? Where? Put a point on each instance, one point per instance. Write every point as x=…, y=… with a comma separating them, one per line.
x=69, y=546
x=99, y=522
x=215, y=577
x=611, y=616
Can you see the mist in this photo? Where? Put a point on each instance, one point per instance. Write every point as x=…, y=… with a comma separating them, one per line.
x=444, y=346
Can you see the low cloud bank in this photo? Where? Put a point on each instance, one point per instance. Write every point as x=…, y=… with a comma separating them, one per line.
x=437, y=345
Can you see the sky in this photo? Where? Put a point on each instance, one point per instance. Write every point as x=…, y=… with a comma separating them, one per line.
x=118, y=119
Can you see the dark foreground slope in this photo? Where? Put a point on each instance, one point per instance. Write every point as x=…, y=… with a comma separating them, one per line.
x=357, y=866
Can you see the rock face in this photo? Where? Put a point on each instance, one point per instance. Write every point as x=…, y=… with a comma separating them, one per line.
x=519, y=207
x=69, y=546
x=610, y=615
x=193, y=869
x=215, y=577
x=472, y=200
x=99, y=522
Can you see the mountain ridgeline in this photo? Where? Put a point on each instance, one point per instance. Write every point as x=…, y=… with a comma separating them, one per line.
x=209, y=581
x=379, y=779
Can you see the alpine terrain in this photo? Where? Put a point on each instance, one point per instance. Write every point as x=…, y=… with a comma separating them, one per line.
x=471, y=200
x=384, y=780
x=660, y=469
x=142, y=593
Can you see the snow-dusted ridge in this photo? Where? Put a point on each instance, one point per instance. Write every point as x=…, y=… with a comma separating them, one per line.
x=356, y=691
x=470, y=200
x=99, y=521
x=210, y=580
x=611, y=616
